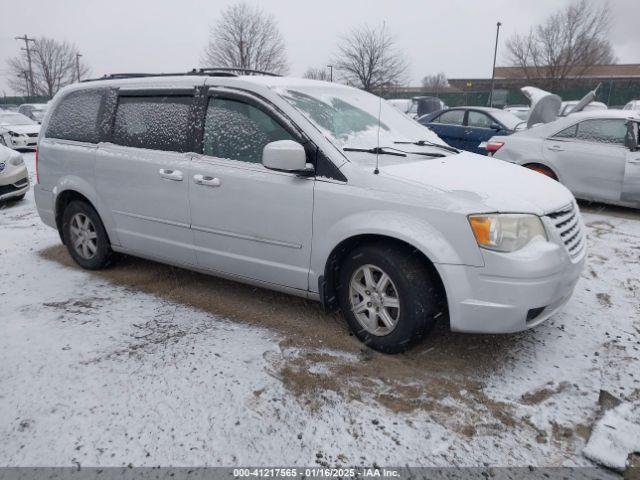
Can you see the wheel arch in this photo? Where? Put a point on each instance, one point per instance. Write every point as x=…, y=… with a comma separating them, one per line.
x=328, y=281
x=71, y=189
x=541, y=164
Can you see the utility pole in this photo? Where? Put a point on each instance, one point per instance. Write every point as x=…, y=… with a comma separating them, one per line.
x=78, y=55
x=493, y=71
x=330, y=72
x=26, y=81
x=26, y=41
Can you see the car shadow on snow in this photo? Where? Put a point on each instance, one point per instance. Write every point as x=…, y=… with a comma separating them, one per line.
x=445, y=375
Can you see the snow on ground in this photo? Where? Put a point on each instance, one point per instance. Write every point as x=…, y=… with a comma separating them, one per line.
x=145, y=364
x=615, y=436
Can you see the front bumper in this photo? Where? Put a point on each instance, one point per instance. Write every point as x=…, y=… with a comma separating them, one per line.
x=23, y=141
x=513, y=291
x=14, y=183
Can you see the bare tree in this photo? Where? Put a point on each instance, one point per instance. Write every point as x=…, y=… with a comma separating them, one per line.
x=567, y=44
x=318, y=74
x=368, y=58
x=435, y=82
x=54, y=66
x=246, y=37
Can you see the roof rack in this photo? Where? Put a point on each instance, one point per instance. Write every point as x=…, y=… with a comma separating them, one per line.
x=222, y=70
x=210, y=71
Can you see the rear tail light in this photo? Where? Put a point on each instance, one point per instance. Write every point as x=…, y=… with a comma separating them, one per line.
x=493, y=147
x=37, y=176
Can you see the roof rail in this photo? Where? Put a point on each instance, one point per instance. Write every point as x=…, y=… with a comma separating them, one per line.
x=211, y=71
x=247, y=71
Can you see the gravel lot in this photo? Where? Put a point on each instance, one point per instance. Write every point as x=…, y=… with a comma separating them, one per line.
x=146, y=364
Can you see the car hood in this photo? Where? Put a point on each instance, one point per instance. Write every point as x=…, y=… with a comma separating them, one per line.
x=21, y=128
x=483, y=184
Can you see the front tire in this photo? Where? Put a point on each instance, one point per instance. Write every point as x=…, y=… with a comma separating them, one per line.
x=85, y=237
x=388, y=296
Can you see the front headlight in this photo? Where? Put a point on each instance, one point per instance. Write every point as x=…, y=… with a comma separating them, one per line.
x=16, y=161
x=506, y=232
x=15, y=134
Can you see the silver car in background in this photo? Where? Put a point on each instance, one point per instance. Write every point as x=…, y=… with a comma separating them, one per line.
x=593, y=153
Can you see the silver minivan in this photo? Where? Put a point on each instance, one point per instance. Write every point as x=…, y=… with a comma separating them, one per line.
x=312, y=188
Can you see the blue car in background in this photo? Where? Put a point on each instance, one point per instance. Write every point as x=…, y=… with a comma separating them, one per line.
x=466, y=128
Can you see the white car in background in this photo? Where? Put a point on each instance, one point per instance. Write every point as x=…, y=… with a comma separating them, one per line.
x=14, y=178
x=633, y=105
x=520, y=111
x=568, y=107
x=594, y=154
x=18, y=131
x=35, y=111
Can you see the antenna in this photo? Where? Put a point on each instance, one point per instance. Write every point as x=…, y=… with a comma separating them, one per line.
x=377, y=170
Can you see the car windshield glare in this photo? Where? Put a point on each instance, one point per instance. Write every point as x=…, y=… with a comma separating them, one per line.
x=15, y=119
x=349, y=117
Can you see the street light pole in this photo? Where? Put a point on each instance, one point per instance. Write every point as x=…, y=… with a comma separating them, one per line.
x=493, y=71
x=330, y=72
x=78, y=55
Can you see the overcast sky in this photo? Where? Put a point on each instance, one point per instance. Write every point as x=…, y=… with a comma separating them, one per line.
x=452, y=36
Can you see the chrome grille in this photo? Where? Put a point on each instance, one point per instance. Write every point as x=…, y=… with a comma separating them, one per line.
x=569, y=227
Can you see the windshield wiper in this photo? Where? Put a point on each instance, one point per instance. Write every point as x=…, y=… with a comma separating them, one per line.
x=396, y=151
x=375, y=151
x=424, y=143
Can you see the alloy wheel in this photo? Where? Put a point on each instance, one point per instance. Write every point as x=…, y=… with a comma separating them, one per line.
x=84, y=237
x=374, y=300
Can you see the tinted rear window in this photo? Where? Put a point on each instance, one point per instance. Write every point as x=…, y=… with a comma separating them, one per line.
x=76, y=117
x=153, y=122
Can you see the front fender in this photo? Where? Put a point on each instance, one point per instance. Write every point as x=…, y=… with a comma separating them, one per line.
x=458, y=250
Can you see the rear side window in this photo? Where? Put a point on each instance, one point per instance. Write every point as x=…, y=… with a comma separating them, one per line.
x=239, y=131
x=76, y=117
x=567, y=132
x=478, y=120
x=452, y=117
x=153, y=122
x=610, y=130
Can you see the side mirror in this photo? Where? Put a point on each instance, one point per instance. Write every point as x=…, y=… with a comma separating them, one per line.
x=286, y=156
x=631, y=138
x=495, y=126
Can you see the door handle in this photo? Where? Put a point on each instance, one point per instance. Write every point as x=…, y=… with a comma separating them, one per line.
x=556, y=148
x=169, y=174
x=206, y=180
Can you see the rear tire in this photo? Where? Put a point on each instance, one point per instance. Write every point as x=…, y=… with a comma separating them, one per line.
x=396, y=308
x=85, y=237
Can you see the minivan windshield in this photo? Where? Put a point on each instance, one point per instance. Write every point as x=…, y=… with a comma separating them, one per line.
x=348, y=117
